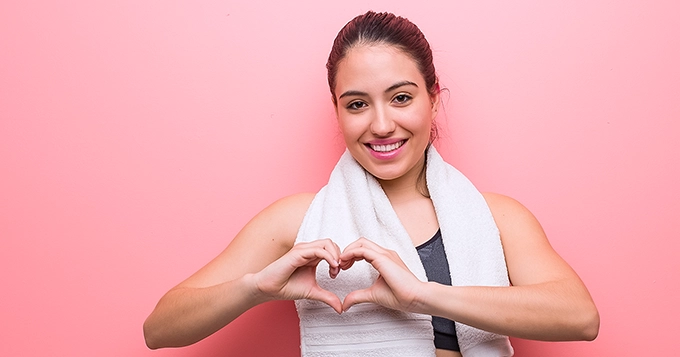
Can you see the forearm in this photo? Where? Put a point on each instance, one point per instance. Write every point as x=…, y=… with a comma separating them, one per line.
x=551, y=311
x=187, y=315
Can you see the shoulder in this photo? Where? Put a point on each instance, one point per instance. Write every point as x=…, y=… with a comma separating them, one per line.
x=498, y=200
x=284, y=217
x=293, y=204
x=291, y=208
x=507, y=211
x=515, y=222
x=520, y=231
x=267, y=237
x=273, y=230
x=529, y=256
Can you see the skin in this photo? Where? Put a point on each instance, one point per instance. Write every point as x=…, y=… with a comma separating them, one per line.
x=381, y=96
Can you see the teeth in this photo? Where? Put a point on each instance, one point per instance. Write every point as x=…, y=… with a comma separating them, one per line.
x=386, y=148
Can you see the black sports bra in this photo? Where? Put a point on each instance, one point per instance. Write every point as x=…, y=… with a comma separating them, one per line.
x=436, y=266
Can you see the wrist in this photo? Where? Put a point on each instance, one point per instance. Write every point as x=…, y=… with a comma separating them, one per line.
x=429, y=296
x=422, y=302
x=254, y=292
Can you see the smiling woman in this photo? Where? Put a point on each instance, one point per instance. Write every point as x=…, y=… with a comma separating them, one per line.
x=437, y=267
x=385, y=111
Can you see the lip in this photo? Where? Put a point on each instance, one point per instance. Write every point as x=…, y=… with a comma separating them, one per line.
x=385, y=155
x=384, y=141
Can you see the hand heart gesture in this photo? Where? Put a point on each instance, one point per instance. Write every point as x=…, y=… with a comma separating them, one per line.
x=293, y=276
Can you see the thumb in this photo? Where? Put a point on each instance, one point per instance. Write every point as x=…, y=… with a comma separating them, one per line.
x=327, y=297
x=357, y=297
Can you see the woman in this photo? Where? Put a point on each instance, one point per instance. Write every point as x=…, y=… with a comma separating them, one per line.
x=386, y=96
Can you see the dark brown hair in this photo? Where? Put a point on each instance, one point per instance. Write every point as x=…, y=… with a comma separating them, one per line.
x=383, y=28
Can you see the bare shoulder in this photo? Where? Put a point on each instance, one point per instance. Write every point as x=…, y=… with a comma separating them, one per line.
x=284, y=216
x=528, y=253
x=277, y=224
x=504, y=206
x=512, y=217
x=265, y=238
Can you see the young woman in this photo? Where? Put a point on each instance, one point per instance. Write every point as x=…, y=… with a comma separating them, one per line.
x=386, y=96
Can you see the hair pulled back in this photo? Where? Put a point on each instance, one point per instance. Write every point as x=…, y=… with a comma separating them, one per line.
x=383, y=28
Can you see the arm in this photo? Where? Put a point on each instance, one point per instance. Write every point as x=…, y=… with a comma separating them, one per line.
x=259, y=265
x=547, y=300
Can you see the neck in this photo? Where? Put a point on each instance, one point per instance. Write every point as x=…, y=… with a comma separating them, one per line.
x=405, y=187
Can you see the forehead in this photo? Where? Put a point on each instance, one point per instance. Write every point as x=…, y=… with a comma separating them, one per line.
x=376, y=67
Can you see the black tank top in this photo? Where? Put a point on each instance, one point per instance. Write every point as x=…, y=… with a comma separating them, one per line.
x=437, y=269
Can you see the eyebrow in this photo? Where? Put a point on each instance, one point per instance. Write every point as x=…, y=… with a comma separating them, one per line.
x=400, y=84
x=391, y=88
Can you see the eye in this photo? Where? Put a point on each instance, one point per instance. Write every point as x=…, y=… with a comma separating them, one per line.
x=402, y=98
x=356, y=105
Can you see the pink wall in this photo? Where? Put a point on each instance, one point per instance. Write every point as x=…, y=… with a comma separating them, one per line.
x=136, y=138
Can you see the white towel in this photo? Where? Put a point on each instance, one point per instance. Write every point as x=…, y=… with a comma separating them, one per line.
x=354, y=205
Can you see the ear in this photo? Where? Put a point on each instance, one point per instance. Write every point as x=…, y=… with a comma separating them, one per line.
x=435, y=99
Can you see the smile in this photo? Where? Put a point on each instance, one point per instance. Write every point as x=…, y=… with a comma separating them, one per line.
x=388, y=147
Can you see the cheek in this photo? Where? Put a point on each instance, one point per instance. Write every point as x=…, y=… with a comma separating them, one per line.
x=349, y=127
x=419, y=120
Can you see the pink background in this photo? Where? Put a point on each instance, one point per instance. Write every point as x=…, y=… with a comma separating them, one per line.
x=137, y=138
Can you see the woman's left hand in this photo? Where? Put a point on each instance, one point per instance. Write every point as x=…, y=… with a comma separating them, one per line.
x=396, y=287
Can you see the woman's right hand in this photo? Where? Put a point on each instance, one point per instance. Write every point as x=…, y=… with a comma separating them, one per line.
x=260, y=264
x=293, y=276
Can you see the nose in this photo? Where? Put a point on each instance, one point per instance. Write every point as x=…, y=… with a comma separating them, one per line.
x=381, y=123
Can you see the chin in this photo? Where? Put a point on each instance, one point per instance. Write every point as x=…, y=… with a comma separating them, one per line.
x=386, y=175
x=385, y=171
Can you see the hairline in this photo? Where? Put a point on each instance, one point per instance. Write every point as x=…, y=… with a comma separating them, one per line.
x=363, y=41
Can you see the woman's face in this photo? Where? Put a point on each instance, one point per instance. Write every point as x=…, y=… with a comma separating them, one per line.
x=384, y=110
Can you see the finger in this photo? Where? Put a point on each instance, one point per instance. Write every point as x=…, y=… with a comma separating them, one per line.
x=346, y=263
x=311, y=255
x=331, y=247
x=333, y=271
x=327, y=297
x=357, y=297
x=328, y=245
x=388, y=264
x=334, y=250
x=348, y=258
x=365, y=242
x=360, y=253
x=312, y=252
